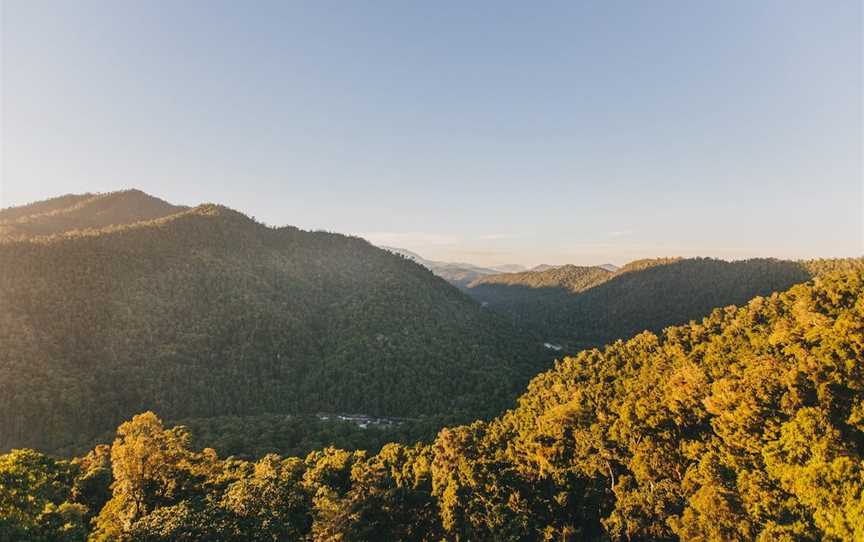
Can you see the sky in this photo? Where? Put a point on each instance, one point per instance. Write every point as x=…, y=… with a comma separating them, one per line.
x=490, y=132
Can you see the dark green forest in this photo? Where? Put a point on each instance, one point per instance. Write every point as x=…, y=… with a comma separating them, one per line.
x=119, y=303
x=205, y=312
x=746, y=425
x=585, y=307
x=231, y=354
x=253, y=436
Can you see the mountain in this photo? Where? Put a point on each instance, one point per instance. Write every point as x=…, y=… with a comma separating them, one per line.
x=571, y=278
x=205, y=312
x=457, y=274
x=746, y=425
x=542, y=267
x=410, y=255
x=462, y=275
x=81, y=212
x=580, y=307
x=510, y=268
x=546, y=267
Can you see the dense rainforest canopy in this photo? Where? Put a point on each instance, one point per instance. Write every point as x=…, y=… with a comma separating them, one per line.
x=747, y=425
x=113, y=304
x=204, y=312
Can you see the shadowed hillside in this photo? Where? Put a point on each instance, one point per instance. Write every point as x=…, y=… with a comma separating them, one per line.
x=588, y=306
x=206, y=312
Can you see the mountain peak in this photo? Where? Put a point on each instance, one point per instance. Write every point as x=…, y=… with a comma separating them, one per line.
x=74, y=212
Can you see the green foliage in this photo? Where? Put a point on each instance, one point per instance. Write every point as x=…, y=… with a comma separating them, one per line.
x=271, y=502
x=250, y=437
x=38, y=501
x=205, y=313
x=744, y=426
x=256, y=436
x=741, y=427
x=572, y=278
x=586, y=307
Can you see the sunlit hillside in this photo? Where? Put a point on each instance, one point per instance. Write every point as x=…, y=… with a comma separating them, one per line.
x=744, y=426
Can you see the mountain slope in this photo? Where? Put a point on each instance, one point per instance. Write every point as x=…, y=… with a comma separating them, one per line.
x=510, y=268
x=572, y=278
x=585, y=307
x=543, y=267
x=80, y=212
x=206, y=312
x=744, y=426
x=748, y=425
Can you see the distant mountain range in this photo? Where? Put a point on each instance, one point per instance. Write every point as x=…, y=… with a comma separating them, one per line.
x=547, y=267
x=576, y=307
x=458, y=274
x=510, y=268
x=462, y=274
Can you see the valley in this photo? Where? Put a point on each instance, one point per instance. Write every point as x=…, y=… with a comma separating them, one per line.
x=431, y=271
x=371, y=393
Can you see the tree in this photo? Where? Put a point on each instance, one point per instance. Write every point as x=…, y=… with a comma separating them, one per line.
x=152, y=468
x=35, y=493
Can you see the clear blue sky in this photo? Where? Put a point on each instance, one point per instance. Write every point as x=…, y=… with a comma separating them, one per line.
x=490, y=132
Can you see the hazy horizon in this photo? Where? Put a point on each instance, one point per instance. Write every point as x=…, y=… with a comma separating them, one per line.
x=490, y=134
x=382, y=241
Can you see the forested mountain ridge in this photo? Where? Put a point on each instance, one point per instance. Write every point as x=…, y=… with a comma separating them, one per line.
x=743, y=426
x=581, y=307
x=748, y=425
x=573, y=278
x=205, y=312
x=81, y=212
